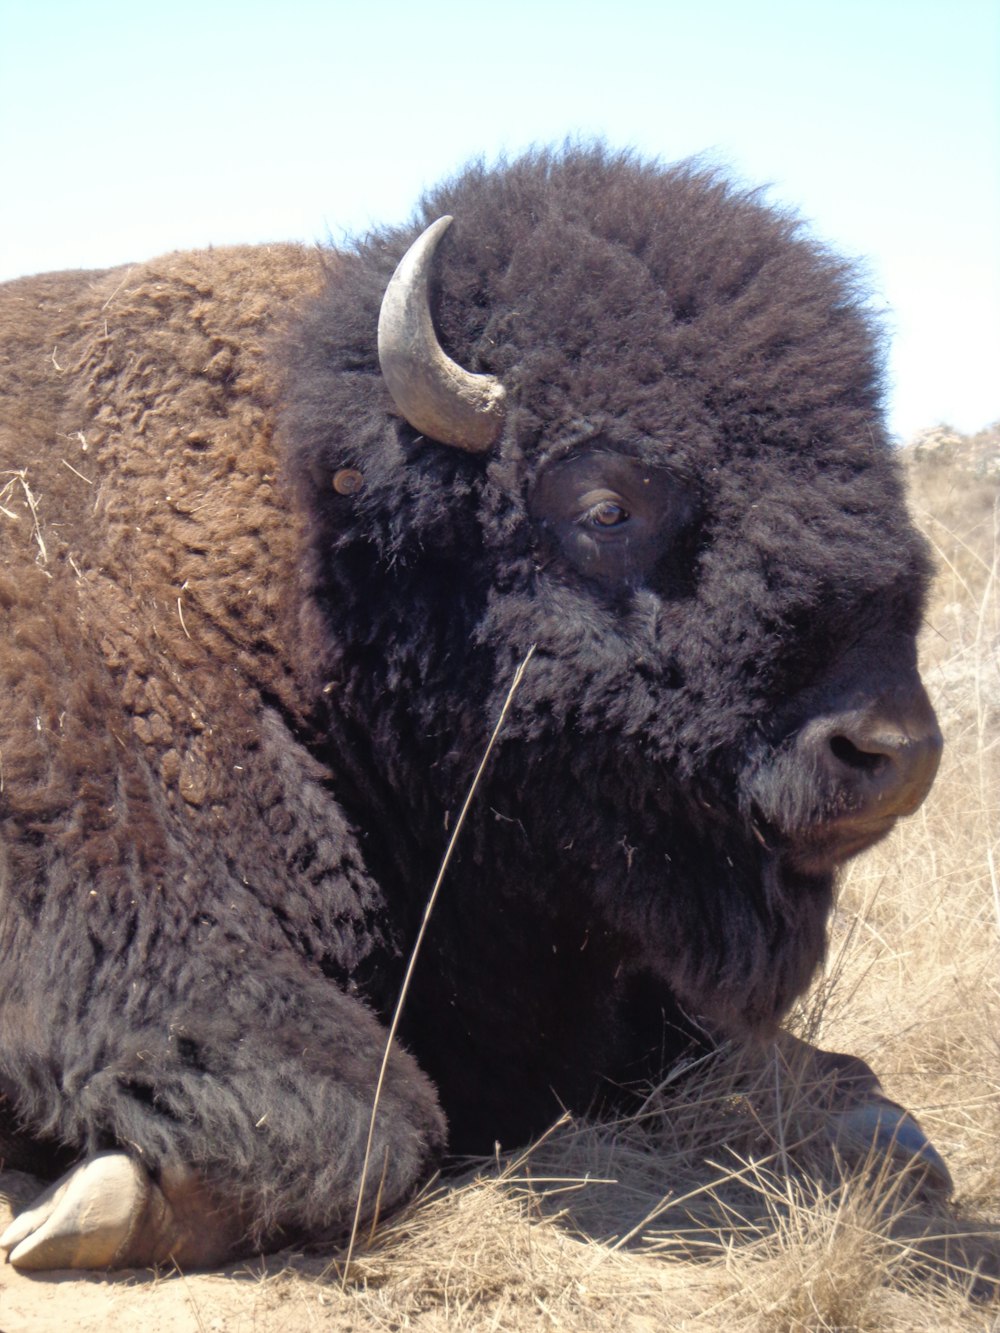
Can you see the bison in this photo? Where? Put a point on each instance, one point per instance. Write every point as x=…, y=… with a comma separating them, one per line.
x=278, y=527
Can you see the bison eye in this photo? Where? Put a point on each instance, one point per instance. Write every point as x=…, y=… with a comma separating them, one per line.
x=606, y=513
x=612, y=518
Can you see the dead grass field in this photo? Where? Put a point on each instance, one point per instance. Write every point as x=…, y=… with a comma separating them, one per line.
x=722, y=1205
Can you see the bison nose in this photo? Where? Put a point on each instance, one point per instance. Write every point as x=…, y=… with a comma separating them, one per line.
x=883, y=758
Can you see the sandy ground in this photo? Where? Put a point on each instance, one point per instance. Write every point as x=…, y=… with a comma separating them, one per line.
x=245, y=1296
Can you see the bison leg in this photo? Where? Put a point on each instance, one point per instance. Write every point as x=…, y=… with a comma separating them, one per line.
x=859, y=1119
x=229, y=1121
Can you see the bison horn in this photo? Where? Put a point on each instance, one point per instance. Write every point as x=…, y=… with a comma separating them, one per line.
x=433, y=392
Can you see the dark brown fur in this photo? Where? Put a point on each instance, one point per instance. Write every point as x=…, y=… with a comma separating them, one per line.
x=235, y=727
x=149, y=609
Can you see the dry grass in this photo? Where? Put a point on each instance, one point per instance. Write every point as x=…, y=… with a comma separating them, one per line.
x=723, y=1205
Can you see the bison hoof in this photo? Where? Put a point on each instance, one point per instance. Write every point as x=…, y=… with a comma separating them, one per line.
x=105, y=1213
x=881, y=1128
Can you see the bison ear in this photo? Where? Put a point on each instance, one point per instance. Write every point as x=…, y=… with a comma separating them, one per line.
x=434, y=393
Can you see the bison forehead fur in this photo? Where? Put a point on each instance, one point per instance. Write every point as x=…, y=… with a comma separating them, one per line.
x=245, y=687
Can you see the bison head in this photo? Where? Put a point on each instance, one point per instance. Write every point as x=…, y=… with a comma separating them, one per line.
x=633, y=416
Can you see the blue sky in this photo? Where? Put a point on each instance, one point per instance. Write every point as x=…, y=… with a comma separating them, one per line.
x=128, y=130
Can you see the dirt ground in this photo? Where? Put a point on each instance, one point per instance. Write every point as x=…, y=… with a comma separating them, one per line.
x=283, y=1292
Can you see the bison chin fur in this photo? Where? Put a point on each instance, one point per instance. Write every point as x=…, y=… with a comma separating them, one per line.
x=260, y=625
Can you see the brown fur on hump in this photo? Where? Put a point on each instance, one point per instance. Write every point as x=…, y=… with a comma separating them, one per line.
x=140, y=521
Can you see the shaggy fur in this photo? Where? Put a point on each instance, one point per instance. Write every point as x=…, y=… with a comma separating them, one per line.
x=234, y=730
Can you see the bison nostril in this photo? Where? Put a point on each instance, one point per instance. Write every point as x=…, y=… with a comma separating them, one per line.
x=883, y=763
x=865, y=761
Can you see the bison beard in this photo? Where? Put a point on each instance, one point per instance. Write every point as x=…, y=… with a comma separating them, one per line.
x=241, y=709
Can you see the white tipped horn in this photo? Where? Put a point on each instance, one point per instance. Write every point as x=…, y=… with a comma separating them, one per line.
x=434, y=393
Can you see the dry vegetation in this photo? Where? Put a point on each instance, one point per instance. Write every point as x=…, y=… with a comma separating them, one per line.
x=722, y=1205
